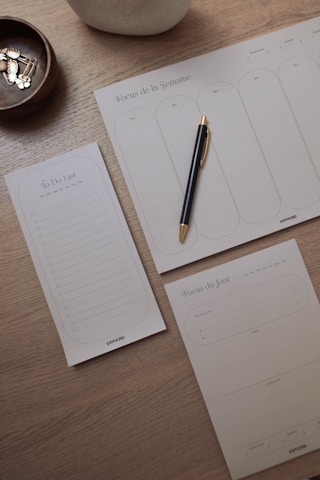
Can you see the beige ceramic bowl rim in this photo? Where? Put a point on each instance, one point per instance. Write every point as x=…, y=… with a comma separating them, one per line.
x=48, y=66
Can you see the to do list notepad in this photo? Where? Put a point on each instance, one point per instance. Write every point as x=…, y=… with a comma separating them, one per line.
x=252, y=331
x=87, y=263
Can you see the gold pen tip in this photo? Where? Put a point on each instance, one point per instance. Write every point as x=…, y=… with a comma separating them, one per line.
x=182, y=232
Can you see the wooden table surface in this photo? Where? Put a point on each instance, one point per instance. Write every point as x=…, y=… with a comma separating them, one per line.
x=136, y=413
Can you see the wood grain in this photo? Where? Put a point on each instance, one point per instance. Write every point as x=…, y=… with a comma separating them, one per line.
x=136, y=413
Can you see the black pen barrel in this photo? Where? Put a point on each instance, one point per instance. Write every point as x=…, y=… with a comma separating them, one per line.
x=194, y=169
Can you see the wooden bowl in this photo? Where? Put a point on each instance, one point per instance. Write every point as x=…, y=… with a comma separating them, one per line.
x=36, y=59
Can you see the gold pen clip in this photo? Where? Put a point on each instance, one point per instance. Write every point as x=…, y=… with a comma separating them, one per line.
x=205, y=149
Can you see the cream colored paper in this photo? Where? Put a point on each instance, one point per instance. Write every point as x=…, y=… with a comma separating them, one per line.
x=251, y=328
x=262, y=173
x=87, y=263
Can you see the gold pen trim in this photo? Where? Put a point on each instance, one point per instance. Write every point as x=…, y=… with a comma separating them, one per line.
x=203, y=120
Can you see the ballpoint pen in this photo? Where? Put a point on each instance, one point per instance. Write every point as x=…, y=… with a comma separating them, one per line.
x=198, y=159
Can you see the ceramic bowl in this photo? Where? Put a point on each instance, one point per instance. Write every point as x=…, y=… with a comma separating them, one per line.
x=131, y=17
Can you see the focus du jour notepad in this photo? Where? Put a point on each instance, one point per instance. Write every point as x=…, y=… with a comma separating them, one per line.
x=88, y=266
x=251, y=328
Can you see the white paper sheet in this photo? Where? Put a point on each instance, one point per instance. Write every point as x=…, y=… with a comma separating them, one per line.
x=262, y=173
x=87, y=263
x=251, y=328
